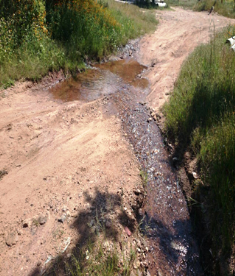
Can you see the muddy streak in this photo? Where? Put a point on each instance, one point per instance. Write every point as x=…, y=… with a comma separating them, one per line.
x=166, y=222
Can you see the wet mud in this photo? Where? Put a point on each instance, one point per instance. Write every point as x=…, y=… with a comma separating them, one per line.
x=164, y=220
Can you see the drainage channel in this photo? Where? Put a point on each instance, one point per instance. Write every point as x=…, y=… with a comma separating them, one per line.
x=165, y=220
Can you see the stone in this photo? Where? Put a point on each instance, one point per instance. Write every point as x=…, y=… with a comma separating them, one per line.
x=149, y=119
x=141, y=212
x=27, y=223
x=63, y=218
x=42, y=220
x=12, y=238
x=137, y=192
x=108, y=224
x=127, y=230
x=195, y=175
x=136, y=264
x=64, y=209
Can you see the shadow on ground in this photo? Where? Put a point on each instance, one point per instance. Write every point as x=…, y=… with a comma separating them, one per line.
x=103, y=214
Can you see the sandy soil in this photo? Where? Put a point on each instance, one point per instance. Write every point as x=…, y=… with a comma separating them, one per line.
x=60, y=155
x=55, y=154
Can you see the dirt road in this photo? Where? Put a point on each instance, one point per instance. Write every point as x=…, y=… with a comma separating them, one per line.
x=64, y=157
x=178, y=33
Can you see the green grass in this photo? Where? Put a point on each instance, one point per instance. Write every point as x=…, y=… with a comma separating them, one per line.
x=73, y=36
x=144, y=20
x=227, y=8
x=200, y=117
x=182, y=3
x=95, y=261
x=32, y=60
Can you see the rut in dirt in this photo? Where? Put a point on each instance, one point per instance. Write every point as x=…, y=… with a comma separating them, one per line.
x=164, y=219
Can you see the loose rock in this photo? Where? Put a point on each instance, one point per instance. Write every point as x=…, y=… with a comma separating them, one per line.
x=27, y=223
x=12, y=238
x=42, y=220
x=63, y=218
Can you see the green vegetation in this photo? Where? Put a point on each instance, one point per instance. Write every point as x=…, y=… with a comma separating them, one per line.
x=225, y=8
x=41, y=35
x=182, y=3
x=95, y=261
x=200, y=117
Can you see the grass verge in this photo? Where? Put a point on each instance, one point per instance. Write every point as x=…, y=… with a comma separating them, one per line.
x=200, y=117
x=227, y=8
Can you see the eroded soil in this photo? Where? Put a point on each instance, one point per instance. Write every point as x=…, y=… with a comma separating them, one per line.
x=65, y=155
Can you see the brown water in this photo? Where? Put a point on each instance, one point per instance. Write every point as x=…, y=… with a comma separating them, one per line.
x=166, y=223
x=103, y=79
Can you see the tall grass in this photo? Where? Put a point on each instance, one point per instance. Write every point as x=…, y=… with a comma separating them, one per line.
x=200, y=117
x=225, y=8
x=40, y=36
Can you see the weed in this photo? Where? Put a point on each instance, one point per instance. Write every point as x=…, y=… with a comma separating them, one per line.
x=35, y=222
x=144, y=177
x=94, y=260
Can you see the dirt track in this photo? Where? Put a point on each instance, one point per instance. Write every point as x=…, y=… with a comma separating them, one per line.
x=57, y=153
x=178, y=33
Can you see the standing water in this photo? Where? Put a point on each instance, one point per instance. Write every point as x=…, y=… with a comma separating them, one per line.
x=165, y=222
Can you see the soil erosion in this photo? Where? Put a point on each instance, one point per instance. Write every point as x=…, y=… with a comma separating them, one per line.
x=65, y=154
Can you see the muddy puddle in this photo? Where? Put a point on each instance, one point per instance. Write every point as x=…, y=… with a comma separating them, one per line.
x=101, y=80
x=165, y=220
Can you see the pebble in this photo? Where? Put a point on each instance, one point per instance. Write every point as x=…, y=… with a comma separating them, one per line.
x=63, y=218
x=27, y=223
x=42, y=220
x=137, y=191
x=64, y=209
x=141, y=212
x=12, y=238
x=127, y=230
x=195, y=175
x=108, y=224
